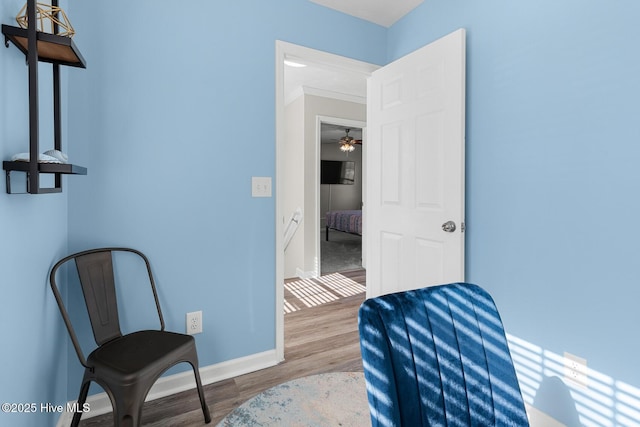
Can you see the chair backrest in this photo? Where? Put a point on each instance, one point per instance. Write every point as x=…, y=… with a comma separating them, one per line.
x=438, y=356
x=95, y=270
x=96, y=274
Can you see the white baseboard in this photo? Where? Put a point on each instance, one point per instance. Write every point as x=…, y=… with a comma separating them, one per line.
x=100, y=404
x=305, y=274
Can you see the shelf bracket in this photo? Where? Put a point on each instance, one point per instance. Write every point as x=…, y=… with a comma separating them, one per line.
x=8, y=182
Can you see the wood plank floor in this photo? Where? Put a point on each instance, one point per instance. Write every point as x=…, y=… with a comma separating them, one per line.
x=318, y=339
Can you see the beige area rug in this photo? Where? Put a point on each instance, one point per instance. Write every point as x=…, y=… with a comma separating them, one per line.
x=320, y=290
x=324, y=400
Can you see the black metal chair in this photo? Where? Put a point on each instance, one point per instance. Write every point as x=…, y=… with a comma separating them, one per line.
x=125, y=366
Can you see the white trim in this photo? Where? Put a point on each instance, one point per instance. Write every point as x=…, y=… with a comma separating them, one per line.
x=348, y=65
x=308, y=90
x=295, y=94
x=281, y=49
x=335, y=95
x=305, y=274
x=334, y=121
x=172, y=384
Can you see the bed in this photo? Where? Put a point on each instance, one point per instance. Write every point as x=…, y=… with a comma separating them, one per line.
x=349, y=221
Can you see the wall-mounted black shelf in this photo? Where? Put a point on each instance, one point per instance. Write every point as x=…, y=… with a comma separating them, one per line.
x=65, y=168
x=52, y=48
x=57, y=50
x=51, y=168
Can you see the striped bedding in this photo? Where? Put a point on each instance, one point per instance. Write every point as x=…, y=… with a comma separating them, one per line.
x=349, y=221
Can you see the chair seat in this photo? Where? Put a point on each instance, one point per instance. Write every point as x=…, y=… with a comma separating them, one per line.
x=131, y=356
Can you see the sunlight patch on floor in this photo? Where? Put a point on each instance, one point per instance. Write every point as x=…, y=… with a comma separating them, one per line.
x=342, y=285
x=320, y=290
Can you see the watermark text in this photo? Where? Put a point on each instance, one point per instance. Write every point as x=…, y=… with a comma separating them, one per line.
x=31, y=407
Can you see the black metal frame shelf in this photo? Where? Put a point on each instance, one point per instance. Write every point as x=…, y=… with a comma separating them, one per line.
x=66, y=168
x=52, y=48
x=56, y=50
x=50, y=168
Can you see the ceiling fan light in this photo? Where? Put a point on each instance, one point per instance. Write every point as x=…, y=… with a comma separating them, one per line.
x=346, y=140
x=347, y=148
x=347, y=143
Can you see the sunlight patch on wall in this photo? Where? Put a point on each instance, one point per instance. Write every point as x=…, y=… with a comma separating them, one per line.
x=604, y=401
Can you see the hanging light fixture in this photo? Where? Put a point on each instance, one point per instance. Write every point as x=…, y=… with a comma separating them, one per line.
x=347, y=143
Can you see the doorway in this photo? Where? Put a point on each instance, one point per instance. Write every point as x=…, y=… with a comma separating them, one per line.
x=340, y=194
x=438, y=68
x=325, y=63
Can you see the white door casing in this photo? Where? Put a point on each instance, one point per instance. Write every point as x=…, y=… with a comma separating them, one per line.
x=415, y=168
x=285, y=50
x=342, y=122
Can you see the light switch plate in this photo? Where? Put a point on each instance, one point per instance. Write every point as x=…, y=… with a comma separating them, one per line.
x=261, y=186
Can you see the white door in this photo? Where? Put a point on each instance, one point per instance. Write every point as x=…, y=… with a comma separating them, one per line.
x=415, y=169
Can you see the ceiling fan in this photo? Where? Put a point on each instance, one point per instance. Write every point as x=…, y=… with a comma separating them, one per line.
x=348, y=143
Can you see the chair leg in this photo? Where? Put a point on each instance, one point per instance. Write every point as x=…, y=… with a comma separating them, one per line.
x=128, y=421
x=82, y=397
x=203, y=402
x=128, y=409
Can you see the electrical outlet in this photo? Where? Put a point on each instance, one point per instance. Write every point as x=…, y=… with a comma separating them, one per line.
x=194, y=322
x=575, y=370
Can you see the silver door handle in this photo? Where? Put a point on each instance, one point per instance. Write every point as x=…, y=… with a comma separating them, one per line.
x=449, y=226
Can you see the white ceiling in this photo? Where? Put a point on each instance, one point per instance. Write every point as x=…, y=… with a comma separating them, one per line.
x=316, y=79
x=331, y=134
x=324, y=80
x=327, y=81
x=381, y=12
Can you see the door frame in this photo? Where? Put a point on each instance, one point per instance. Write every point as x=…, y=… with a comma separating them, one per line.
x=284, y=50
x=356, y=124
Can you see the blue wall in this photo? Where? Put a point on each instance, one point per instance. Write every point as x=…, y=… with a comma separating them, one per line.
x=173, y=116
x=33, y=358
x=552, y=179
x=161, y=78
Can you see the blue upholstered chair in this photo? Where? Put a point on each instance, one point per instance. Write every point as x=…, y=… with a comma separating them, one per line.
x=438, y=356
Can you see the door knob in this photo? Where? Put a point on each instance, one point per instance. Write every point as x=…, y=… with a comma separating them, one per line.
x=449, y=226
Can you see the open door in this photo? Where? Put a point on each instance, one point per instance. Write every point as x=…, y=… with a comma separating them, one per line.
x=415, y=169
